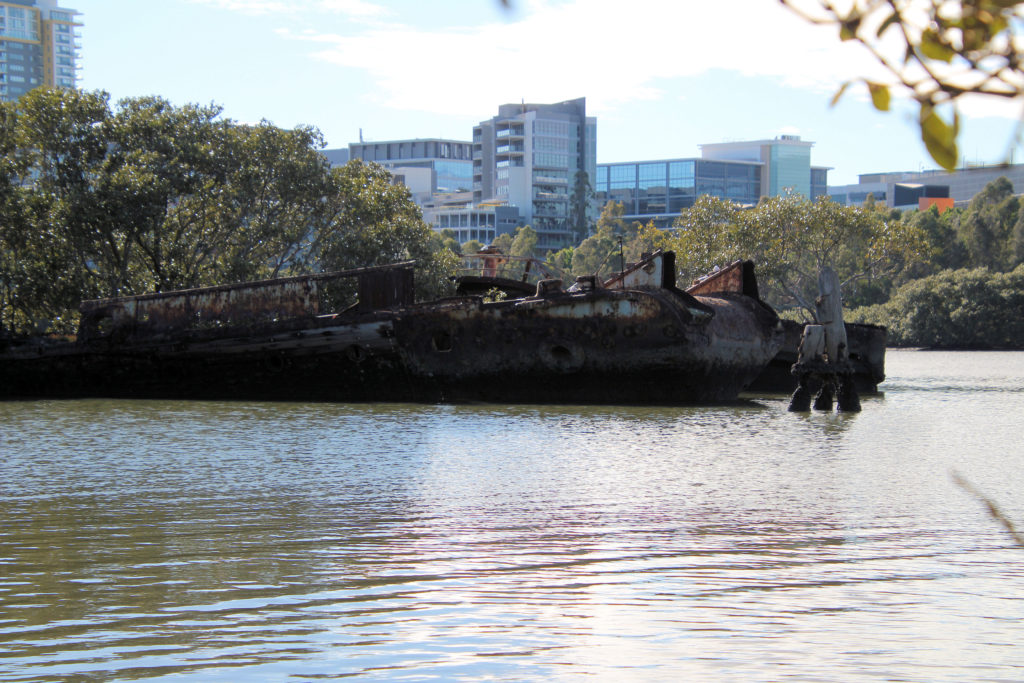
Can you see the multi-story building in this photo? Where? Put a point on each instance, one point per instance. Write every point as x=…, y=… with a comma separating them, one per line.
x=741, y=172
x=658, y=190
x=38, y=46
x=450, y=162
x=785, y=162
x=532, y=157
x=482, y=222
x=914, y=189
x=438, y=174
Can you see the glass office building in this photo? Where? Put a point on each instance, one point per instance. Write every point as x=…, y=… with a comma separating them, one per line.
x=451, y=161
x=741, y=172
x=658, y=190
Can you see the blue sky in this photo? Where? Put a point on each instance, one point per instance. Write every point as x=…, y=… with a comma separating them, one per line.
x=661, y=76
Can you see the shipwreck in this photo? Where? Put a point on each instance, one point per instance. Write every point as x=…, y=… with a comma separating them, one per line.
x=635, y=338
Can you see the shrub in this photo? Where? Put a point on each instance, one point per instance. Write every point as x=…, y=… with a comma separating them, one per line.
x=954, y=309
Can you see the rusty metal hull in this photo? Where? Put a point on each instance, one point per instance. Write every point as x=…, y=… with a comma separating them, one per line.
x=594, y=347
x=641, y=341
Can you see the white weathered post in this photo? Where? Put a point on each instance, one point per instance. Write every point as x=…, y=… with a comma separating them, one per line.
x=829, y=308
x=823, y=354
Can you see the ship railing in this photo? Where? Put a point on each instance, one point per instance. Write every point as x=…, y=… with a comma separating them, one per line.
x=246, y=306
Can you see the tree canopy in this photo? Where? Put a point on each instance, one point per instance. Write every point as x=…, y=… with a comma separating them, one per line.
x=790, y=239
x=954, y=309
x=100, y=201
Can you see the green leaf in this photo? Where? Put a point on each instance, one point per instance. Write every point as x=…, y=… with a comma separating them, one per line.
x=939, y=137
x=849, y=25
x=932, y=47
x=879, y=96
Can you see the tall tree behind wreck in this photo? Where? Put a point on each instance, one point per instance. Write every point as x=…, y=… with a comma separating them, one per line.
x=101, y=201
x=791, y=239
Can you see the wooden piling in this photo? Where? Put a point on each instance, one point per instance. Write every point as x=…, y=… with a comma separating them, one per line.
x=823, y=359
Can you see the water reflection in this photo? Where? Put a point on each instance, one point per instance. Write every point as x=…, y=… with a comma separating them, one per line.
x=218, y=541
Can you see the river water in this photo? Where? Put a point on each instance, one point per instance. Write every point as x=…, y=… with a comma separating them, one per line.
x=224, y=541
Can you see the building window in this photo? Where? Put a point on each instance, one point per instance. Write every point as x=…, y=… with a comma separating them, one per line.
x=651, y=176
x=622, y=176
x=549, y=159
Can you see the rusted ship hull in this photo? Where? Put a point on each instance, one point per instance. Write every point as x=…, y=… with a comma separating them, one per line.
x=645, y=342
x=866, y=352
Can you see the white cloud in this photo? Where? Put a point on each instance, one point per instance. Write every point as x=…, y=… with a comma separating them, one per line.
x=356, y=9
x=247, y=6
x=611, y=52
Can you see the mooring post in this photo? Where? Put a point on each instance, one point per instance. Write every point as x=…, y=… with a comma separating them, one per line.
x=823, y=354
x=829, y=309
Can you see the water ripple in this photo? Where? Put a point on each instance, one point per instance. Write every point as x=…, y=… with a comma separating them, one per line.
x=224, y=541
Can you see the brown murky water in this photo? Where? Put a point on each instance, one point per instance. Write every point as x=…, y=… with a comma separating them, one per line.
x=274, y=542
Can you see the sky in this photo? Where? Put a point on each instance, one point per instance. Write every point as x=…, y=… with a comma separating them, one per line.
x=662, y=77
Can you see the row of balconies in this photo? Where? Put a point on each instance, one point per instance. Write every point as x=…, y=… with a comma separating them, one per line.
x=549, y=210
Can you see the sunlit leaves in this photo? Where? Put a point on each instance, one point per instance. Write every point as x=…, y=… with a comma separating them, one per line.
x=790, y=239
x=933, y=47
x=936, y=51
x=940, y=137
x=879, y=96
x=599, y=253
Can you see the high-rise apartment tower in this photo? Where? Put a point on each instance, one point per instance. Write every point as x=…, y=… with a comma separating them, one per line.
x=533, y=156
x=38, y=46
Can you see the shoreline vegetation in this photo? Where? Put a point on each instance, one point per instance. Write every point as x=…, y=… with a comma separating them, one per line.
x=100, y=200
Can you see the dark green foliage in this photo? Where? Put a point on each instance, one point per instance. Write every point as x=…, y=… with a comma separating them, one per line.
x=790, y=239
x=98, y=202
x=943, y=247
x=954, y=309
x=374, y=222
x=560, y=261
x=988, y=228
